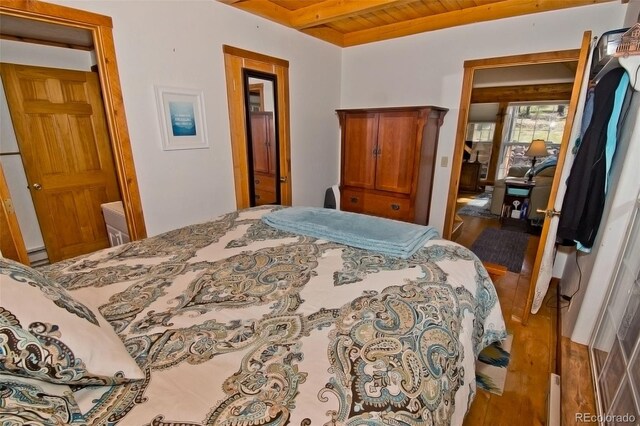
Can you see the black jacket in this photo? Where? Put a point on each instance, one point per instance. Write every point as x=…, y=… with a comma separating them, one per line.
x=584, y=200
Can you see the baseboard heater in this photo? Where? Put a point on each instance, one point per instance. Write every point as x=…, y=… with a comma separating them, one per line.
x=38, y=257
x=553, y=402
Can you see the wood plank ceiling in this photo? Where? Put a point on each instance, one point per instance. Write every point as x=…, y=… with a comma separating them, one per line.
x=353, y=22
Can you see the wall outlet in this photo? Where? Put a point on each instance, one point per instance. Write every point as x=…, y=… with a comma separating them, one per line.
x=444, y=161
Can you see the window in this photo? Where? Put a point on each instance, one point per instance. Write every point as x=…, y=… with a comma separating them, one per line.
x=481, y=134
x=525, y=122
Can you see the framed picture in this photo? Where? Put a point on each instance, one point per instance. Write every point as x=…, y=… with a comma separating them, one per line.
x=181, y=118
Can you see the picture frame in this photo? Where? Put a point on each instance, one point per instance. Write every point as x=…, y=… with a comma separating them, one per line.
x=181, y=113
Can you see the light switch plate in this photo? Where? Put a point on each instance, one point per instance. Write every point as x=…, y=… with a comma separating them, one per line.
x=444, y=161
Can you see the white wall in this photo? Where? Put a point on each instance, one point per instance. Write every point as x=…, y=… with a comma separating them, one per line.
x=268, y=96
x=38, y=55
x=179, y=44
x=524, y=75
x=483, y=112
x=427, y=69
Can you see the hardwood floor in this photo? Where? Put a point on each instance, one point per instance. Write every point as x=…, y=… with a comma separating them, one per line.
x=533, y=354
x=577, y=386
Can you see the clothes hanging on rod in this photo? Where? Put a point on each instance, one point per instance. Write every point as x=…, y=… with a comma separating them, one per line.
x=584, y=199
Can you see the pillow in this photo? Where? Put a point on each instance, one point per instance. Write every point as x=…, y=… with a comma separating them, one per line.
x=30, y=401
x=48, y=335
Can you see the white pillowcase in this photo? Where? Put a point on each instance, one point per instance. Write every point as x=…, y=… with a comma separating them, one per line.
x=48, y=335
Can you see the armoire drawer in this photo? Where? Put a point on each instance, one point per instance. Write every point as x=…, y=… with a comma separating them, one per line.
x=352, y=201
x=264, y=182
x=264, y=197
x=389, y=207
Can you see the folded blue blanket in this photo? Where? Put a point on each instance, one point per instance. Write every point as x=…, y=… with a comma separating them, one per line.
x=390, y=237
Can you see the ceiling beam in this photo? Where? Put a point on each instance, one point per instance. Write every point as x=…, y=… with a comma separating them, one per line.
x=482, y=13
x=326, y=34
x=332, y=10
x=267, y=10
x=534, y=92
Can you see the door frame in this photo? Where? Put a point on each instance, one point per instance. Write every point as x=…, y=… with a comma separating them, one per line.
x=11, y=241
x=235, y=60
x=470, y=67
x=100, y=27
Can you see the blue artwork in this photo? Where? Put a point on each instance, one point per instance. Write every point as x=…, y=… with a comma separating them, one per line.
x=183, y=122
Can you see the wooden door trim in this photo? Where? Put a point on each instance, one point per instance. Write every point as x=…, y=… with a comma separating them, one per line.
x=524, y=59
x=11, y=241
x=579, y=55
x=101, y=28
x=236, y=60
x=255, y=56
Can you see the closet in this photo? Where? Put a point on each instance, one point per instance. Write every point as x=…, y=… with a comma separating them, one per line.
x=388, y=160
x=264, y=157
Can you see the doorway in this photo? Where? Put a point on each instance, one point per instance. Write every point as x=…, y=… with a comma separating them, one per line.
x=576, y=60
x=53, y=25
x=258, y=100
x=262, y=137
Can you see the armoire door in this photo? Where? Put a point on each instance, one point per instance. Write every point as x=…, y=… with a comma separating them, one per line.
x=61, y=131
x=396, y=150
x=260, y=138
x=271, y=146
x=359, y=150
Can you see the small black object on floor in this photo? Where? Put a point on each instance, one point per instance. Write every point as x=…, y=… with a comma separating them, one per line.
x=502, y=247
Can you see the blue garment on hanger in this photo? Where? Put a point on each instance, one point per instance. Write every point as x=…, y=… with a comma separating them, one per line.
x=587, y=114
x=612, y=127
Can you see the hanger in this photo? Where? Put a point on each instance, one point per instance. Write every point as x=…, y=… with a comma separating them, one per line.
x=631, y=64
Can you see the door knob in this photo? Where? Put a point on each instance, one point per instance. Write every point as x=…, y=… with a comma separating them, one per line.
x=37, y=186
x=549, y=213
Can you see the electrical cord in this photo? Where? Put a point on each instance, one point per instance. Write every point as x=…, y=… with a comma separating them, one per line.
x=567, y=299
x=556, y=306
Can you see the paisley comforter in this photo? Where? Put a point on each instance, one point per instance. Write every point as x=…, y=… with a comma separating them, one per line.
x=236, y=323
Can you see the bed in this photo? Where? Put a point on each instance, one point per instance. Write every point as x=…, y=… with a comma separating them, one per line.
x=232, y=322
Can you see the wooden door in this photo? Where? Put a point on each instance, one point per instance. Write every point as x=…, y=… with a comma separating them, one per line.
x=396, y=151
x=260, y=142
x=359, y=144
x=60, y=126
x=546, y=251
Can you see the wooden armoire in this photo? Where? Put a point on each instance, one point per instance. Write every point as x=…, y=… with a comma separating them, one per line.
x=388, y=160
x=264, y=157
